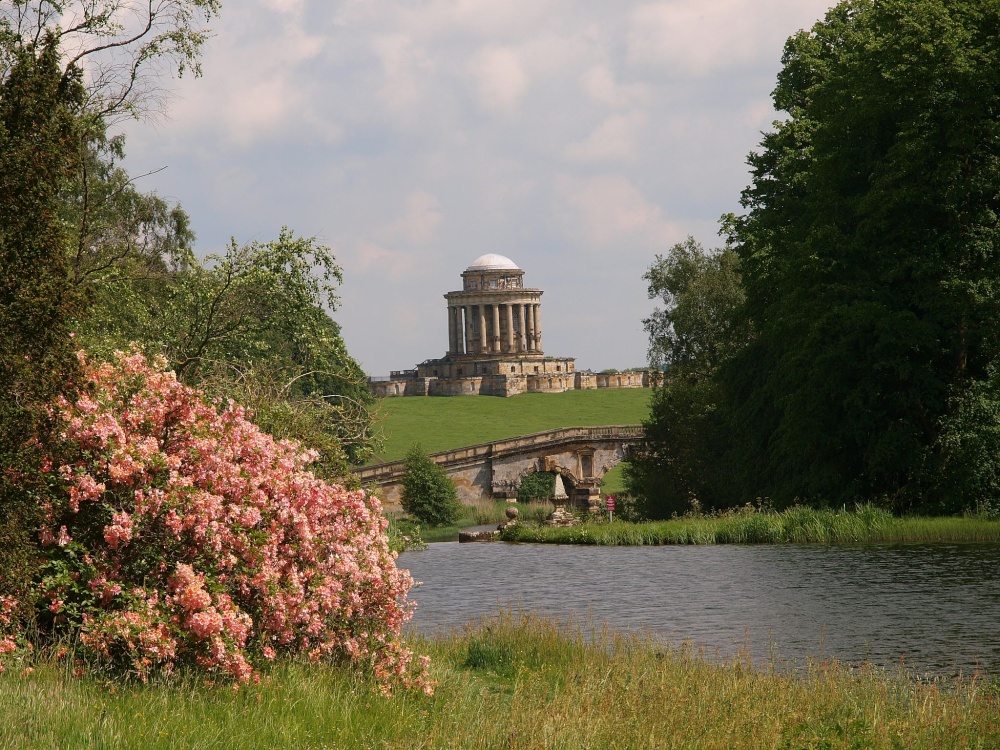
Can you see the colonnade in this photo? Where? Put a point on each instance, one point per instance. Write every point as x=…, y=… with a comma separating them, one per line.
x=508, y=328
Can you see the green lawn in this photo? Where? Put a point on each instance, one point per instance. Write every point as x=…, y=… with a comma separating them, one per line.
x=442, y=423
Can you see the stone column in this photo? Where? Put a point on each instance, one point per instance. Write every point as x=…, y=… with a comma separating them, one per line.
x=483, y=345
x=530, y=315
x=452, y=331
x=496, y=329
x=470, y=345
x=538, y=327
x=522, y=314
x=510, y=327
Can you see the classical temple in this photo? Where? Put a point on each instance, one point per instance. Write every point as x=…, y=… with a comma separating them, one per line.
x=495, y=344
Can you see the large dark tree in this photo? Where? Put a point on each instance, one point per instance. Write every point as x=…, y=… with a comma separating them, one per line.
x=39, y=118
x=870, y=254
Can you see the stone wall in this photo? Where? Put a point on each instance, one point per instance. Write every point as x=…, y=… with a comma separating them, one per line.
x=506, y=384
x=623, y=380
x=401, y=387
x=456, y=386
x=494, y=470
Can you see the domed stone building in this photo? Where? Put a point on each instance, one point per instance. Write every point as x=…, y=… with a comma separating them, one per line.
x=495, y=344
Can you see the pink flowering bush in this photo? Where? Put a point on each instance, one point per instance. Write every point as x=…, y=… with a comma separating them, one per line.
x=182, y=534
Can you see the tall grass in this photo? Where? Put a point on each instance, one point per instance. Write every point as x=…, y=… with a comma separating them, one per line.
x=795, y=525
x=519, y=682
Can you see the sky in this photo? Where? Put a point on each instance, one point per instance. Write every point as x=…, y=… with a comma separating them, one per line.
x=580, y=138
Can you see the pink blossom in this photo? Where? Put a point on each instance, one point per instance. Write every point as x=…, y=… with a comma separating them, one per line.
x=63, y=538
x=240, y=543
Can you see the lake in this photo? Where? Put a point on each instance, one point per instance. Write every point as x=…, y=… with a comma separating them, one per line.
x=935, y=608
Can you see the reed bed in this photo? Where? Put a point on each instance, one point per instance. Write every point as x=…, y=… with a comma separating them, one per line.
x=520, y=682
x=795, y=525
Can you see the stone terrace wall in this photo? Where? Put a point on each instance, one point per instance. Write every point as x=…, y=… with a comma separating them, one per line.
x=509, y=384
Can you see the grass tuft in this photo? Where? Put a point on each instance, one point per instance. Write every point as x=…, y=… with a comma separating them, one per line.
x=514, y=681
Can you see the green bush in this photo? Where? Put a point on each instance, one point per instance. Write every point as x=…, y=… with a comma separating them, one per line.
x=536, y=486
x=428, y=494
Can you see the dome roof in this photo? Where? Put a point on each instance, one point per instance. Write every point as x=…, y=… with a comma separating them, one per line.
x=493, y=262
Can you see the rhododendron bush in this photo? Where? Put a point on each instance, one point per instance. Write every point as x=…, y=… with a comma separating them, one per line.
x=180, y=533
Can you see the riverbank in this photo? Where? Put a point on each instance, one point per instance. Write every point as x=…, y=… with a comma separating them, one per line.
x=480, y=513
x=514, y=682
x=795, y=525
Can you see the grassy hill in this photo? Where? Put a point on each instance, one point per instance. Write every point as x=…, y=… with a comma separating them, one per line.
x=441, y=423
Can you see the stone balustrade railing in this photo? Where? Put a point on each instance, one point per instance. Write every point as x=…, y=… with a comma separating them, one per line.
x=394, y=470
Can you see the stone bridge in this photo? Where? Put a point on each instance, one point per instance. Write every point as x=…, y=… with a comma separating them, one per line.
x=494, y=470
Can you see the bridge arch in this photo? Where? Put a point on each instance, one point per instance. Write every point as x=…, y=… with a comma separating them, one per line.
x=494, y=470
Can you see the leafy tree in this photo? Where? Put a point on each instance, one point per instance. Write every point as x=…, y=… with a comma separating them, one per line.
x=119, y=234
x=122, y=44
x=870, y=254
x=39, y=109
x=691, y=336
x=251, y=325
x=537, y=485
x=428, y=493
x=700, y=290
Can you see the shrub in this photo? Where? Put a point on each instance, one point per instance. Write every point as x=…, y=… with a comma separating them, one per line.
x=180, y=534
x=537, y=485
x=428, y=494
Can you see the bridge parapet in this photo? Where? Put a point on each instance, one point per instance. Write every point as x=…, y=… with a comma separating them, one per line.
x=495, y=468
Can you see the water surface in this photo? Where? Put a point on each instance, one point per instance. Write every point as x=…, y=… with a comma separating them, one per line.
x=935, y=608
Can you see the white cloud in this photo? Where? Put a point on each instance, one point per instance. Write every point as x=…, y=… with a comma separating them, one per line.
x=420, y=221
x=613, y=140
x=482, y=19
x=371, y=259
x=703, y=36
x=601, y=86
x=403, y=65
x=500, y=78
x=610, y=212
x=607, y=138
x=291, y=7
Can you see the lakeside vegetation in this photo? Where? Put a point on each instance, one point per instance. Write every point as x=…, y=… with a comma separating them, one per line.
x=514, y=681
x=444, y=423
x=798, y=525
x=480, y=513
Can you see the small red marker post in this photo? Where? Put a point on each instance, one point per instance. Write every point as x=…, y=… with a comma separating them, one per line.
x=609, y=503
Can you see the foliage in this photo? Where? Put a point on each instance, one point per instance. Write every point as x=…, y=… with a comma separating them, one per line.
x=404, y=534
x=870, y=255
x=752, y=525
x=38, y=127
x=251, y=325
x=429, y=495
x=118, y=42
x=180, y=534
x=691, y=337
x=120, y=235
x=537, y=485
x=700, y=290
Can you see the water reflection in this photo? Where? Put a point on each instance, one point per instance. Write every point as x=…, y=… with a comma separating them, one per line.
x=935, y=607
